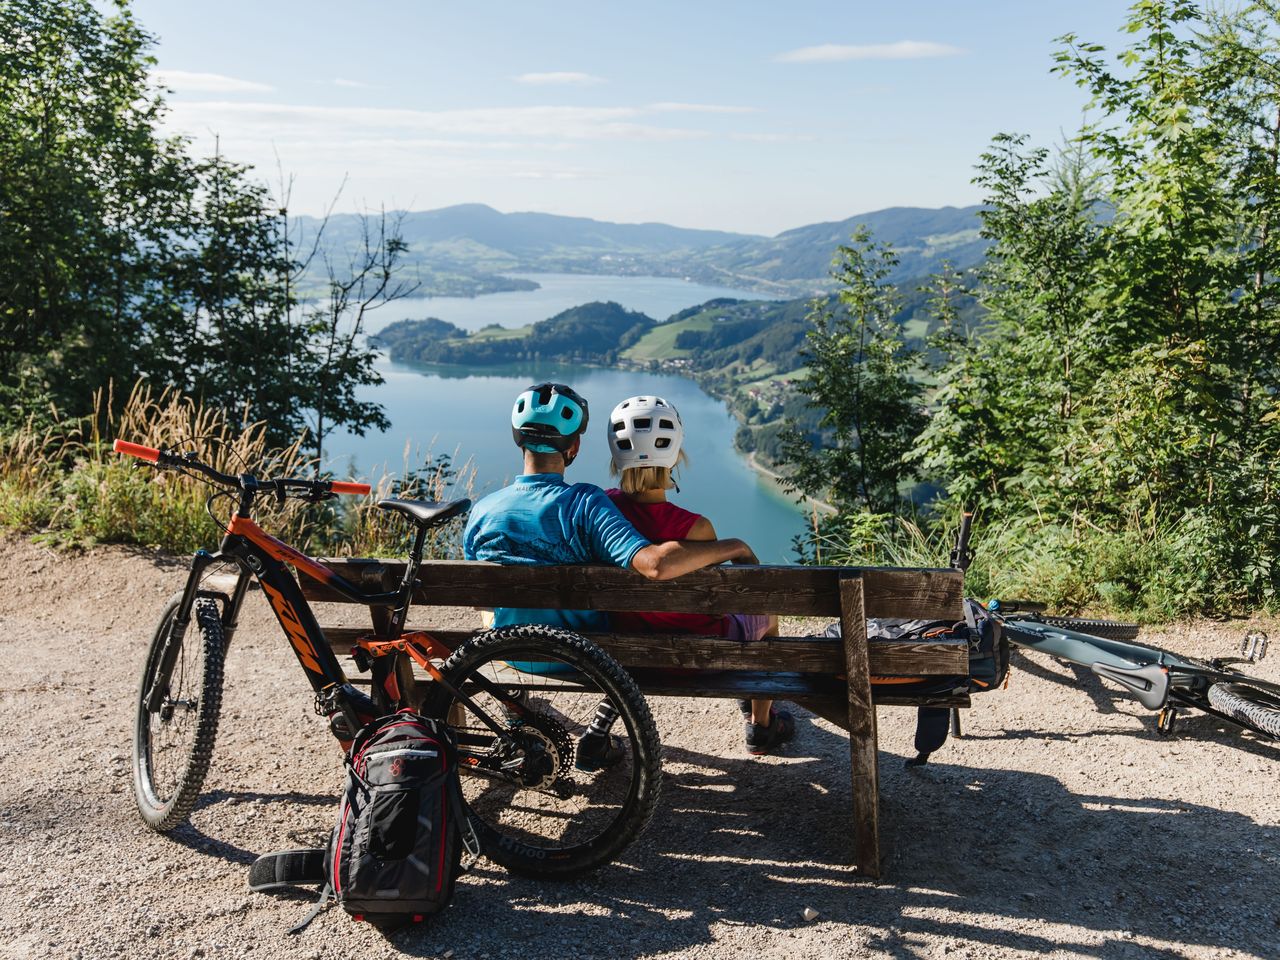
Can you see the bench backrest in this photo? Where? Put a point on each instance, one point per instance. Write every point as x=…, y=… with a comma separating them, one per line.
x=783, y=590
x=849, y=594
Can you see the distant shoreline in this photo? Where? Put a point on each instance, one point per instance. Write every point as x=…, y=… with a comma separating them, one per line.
x=775, y=479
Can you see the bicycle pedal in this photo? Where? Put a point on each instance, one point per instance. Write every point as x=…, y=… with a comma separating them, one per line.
x=1254, y=646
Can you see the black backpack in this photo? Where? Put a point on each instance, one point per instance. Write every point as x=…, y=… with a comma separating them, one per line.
x=988, y=665
x=396, y=850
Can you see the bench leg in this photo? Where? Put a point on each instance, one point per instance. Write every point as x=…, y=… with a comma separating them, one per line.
x=864, y=761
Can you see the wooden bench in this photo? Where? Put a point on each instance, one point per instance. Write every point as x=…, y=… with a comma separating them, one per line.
x=809, y=671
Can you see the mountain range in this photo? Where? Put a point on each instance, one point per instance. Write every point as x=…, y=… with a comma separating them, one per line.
x=465, y=249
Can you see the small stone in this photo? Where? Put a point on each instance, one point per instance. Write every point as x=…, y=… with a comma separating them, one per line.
x=448, y=953
x=809, y=913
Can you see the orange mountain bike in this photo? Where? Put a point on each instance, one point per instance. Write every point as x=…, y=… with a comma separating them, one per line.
x=524, y=702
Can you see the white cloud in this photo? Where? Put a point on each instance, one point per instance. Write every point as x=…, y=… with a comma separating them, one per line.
x=352, y=84
x=185, y=81
x=258, y=120
x=697, y=108
x=902, y=50
x=563, y=77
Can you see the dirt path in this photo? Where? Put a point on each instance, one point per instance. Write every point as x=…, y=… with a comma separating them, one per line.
x=1060, y=826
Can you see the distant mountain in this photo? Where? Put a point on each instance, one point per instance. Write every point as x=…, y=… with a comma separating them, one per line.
x=923, y=239
x=476, y=235
x=462, y=249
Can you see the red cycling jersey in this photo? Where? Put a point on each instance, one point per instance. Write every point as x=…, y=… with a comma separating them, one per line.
x=660, y=522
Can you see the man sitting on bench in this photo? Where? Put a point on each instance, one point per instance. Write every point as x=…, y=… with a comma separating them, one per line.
x=539, y=519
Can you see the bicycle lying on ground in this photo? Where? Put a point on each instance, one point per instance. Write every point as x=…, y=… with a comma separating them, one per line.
x=539, y=804
x=1159, y=679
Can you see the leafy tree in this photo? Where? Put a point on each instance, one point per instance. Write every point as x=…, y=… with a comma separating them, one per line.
x=860, y=379
x=88, y=198
x=1126, y=382
x=123, y=257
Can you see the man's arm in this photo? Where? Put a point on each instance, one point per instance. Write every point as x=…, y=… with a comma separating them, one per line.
x=665, y=561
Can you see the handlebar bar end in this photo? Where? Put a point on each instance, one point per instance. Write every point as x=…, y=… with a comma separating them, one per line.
x=355, y=489
x=136, y=450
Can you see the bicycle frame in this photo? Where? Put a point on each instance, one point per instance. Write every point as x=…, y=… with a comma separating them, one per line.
x=260, y=555
x=1153, y=675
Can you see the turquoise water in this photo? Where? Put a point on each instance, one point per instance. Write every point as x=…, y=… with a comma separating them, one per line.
x=658, y=297
x=465, y=412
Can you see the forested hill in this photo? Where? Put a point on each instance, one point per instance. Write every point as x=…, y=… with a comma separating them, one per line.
x=463, y=249
x=592, y=333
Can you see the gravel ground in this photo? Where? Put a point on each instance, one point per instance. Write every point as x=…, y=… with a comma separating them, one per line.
x=1061, y=825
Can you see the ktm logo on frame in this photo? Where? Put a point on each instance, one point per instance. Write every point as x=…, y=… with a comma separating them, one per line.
x=294, y=628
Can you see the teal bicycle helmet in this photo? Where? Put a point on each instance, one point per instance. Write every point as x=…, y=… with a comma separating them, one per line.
x=548, y=418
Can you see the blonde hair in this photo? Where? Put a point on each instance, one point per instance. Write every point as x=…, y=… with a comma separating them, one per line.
x=640, y=479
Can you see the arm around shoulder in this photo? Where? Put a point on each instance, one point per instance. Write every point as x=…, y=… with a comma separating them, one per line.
x=666, y=561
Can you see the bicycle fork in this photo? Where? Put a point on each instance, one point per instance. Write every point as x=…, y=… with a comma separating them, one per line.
x=154, y=698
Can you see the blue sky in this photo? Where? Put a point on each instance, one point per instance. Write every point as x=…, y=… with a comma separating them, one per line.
x=747, y=116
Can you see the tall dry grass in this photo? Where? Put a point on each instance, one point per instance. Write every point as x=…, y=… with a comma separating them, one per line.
x=65, y=482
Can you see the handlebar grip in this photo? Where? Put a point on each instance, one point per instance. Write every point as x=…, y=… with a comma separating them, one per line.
x=345, y=486
x=136, y=450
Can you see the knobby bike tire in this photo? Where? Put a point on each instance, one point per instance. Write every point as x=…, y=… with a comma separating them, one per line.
x=167, y=801
x=501, y=821
x=1253, y=707
x=1106, y=629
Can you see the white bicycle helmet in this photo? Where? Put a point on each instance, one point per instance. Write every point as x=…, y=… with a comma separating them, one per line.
x=645, y=432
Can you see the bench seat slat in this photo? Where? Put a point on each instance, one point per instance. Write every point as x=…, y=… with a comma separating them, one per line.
x=782, y=590
x=822, y=655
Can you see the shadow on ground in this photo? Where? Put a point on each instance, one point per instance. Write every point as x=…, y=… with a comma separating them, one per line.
x=992, y=858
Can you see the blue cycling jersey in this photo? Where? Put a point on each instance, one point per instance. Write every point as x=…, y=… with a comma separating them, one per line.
x=539, y=520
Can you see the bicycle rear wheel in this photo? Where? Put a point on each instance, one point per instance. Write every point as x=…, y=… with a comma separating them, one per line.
x=549, y=818
x=1106, y=629
x=1255, y=708
x=172, y=746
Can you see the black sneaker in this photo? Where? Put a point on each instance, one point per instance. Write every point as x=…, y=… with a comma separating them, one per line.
x=745, y=707
x=762, y=740
x=598, y=751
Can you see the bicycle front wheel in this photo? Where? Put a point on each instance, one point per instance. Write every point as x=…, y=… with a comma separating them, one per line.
x=173, y=745
x=1106, y=629
x=544, y=802
x=1256, y=709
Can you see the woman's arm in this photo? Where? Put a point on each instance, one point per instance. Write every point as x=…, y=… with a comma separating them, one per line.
x=701, y=530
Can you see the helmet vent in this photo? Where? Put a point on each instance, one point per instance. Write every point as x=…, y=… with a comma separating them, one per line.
x=520, y=405
x=624, y=444
x=643, y=423
x=662, y=443
x=619, y=426
x=666, y=425
x=566, y=413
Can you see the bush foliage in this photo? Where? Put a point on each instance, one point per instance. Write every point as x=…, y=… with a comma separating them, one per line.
x=1115, y=418
x=60, y=478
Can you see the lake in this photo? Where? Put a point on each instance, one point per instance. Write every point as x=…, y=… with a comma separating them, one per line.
x=657, y=297
x=465, y=412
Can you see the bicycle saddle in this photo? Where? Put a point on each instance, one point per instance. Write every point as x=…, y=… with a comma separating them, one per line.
x=426, y=513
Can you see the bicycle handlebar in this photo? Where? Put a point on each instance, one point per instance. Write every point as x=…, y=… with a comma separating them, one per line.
x=307, y=489
x=962, y=556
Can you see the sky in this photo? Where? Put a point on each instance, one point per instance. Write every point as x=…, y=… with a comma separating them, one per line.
x=747, y=116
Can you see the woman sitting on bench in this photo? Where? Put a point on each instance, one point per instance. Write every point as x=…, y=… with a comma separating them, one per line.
x=645, y=437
